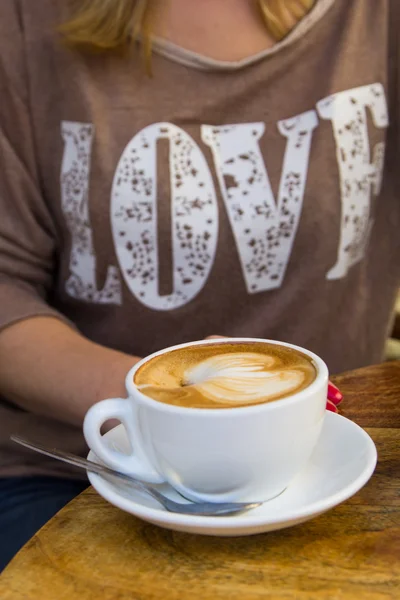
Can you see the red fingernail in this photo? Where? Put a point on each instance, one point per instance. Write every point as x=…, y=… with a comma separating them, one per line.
x=331, y=407
x=334, y=394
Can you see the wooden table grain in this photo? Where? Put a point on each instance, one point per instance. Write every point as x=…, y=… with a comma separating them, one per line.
x=93, y=551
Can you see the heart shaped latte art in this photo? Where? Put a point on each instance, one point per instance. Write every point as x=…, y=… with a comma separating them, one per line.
x=243, y=377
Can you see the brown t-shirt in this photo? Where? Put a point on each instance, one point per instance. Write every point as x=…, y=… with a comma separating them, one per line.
x=245, y=199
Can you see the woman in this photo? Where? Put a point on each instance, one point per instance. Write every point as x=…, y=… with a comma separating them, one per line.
x=233, y=180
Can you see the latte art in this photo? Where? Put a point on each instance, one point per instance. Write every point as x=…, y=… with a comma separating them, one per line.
x=243, y=378
x=225, y=375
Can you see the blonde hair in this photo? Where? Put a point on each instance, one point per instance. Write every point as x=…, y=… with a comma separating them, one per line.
x=103, y=25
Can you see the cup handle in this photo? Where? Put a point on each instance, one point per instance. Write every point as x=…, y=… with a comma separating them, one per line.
x=136, y=464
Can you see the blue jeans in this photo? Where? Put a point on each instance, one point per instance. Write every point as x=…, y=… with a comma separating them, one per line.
x=27, y=503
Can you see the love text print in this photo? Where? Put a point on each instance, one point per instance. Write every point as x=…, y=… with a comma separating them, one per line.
x=264, y=227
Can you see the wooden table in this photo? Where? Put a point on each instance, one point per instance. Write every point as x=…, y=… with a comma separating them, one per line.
x=93, y=551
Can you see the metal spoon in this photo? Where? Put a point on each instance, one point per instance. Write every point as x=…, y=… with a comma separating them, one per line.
x=211, y=509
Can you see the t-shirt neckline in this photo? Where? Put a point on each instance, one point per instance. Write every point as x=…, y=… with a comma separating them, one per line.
x=198, y=61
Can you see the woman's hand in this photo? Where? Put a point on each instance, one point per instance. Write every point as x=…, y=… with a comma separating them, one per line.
x=335, y=397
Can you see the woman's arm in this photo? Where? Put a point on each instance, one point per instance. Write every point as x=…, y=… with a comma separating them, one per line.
x=45, y=365
x=48, y=368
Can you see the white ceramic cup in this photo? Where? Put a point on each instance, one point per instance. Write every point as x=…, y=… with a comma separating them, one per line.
x=248, y=453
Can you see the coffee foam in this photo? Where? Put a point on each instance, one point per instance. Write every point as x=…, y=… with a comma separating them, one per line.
x=225, y=375
x=243, y=376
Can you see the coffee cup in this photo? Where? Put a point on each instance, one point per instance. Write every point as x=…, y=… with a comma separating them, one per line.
x=219, y=420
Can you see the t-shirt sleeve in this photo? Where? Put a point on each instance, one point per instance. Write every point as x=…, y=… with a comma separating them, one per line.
x=27, y=232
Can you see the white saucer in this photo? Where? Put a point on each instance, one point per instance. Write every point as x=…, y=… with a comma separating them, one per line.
x=342, y=463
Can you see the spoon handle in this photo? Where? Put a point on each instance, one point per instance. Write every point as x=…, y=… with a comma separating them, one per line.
x=73, y=459
x=189, y=508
